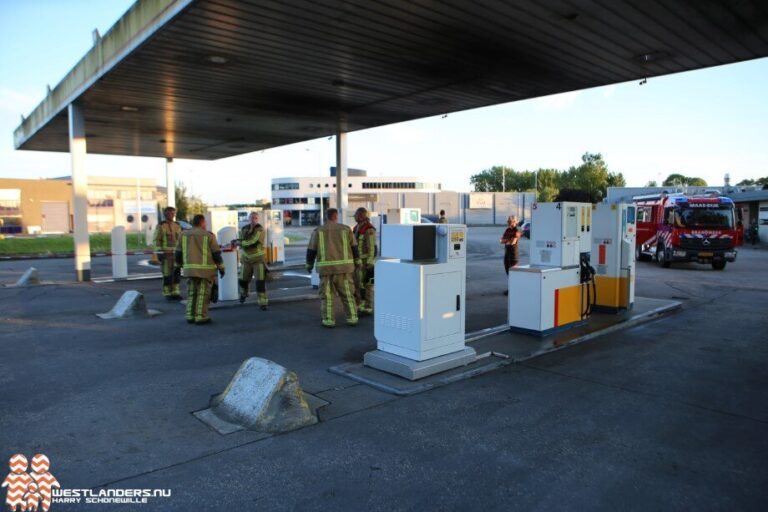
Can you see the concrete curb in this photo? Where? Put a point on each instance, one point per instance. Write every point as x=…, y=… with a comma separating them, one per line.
x=64, y=255
x=419, y=387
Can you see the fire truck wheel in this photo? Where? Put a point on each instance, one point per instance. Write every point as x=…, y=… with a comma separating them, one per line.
x=718, y=264
x=639, y=256
x=661, y=257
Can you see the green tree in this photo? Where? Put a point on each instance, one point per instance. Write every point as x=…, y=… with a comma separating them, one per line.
x=548, y=184
x=678, y=180
x=592, y=176
x=762, y=182
x=652, y=183
x=187, y=206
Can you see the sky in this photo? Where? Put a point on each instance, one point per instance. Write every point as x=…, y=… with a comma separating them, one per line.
x=701, y=123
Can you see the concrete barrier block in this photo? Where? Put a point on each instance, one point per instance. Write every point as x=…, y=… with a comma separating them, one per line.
x=262, y=396
x=29, y=278
x=130, y=305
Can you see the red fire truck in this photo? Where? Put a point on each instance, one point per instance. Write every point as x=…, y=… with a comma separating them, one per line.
x=679, y=228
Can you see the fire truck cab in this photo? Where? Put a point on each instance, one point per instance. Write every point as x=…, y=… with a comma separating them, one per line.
x=681, y=228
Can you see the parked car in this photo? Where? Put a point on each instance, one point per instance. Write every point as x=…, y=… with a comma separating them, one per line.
x=526, y=229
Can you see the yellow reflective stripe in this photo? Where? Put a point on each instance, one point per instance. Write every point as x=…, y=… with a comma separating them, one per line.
x=345, y=244
x=334, y=262
x=350, y=301
x=205, y=250
x=196, y=266
x=371, y=244
x=252, y=241
x=328, y=303
x=184, y=249
x=321, y=246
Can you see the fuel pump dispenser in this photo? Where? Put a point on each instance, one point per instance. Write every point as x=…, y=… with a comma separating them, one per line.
x=275, y=243
x=419, y=295
x=557, y=289
x=613, y=244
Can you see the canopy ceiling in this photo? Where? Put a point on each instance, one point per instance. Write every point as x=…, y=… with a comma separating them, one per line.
x=207, y=79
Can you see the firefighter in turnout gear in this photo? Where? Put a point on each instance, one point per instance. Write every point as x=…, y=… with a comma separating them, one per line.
x=335, y=249
x=365, y=235
x=200, y=256
x=252, y=241
x=167, y=235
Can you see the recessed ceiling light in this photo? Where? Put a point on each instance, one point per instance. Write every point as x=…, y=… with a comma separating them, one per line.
x=217, y=59
x=126, y=108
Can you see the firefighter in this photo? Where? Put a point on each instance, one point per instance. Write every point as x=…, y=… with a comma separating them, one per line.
x=365, y=236
x=200, y=255
x=252, y=239
x=442, y=219
x=335, y=249
x=167, y=235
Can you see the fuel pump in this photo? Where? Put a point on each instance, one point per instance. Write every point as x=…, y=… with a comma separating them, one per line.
x=613, y=244
x=556, y=290
x=419, y=295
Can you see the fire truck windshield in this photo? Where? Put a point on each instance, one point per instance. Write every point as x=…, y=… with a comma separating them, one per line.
x=704, y=217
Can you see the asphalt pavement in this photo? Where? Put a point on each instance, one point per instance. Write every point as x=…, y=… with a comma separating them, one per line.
x=670, y=415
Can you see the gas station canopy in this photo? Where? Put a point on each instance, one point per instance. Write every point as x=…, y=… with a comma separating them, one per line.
x=208, y=79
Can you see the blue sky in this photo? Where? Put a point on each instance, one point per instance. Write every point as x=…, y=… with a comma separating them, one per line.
x=702, y=123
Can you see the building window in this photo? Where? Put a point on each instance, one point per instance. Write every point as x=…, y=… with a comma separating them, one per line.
x=326, y=185
x=10, y=210
x=311, y=185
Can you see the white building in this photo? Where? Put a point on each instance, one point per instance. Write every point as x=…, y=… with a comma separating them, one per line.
x=300, y=198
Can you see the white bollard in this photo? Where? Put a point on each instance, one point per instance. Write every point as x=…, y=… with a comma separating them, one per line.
x=228, y=285
x=119, y=253
x=314, y=278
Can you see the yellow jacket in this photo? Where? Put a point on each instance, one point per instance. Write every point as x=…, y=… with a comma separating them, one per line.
x=365, y=235
x=335, y=248
x=167, y=236
x=199, y=254
x=252, y=240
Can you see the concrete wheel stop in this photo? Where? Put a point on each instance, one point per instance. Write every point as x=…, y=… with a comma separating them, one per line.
x=29, y=278
x=262, y=396
x=130, y=305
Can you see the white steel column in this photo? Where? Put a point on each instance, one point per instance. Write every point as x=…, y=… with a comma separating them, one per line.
x=342, y=194
x=77, y=151
x=170, y=185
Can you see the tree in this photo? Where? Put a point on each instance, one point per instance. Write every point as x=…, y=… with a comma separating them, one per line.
x=652, y=183
x=761, y=182
x=592, y=176
x=187, y=206
x=678, y=180
x=488, y=180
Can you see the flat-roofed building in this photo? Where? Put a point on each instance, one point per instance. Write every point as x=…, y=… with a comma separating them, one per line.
x=45, y=205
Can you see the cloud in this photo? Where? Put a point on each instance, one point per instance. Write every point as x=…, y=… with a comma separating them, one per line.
x=556, y=101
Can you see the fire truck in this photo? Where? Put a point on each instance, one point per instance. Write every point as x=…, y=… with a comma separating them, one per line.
x=681, y=228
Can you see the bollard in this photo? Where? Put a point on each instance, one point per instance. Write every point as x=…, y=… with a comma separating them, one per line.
x=149, y=234
x=228, y=285
x=314, y=279
x=119, y=253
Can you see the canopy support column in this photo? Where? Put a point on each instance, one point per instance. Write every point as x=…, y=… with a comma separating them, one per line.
x=170, y=184
x=77, y=151
x=342, y=195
